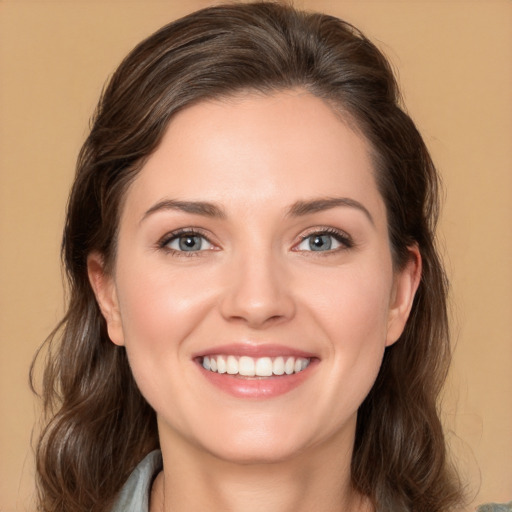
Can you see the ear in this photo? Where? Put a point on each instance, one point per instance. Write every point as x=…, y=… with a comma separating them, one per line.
x=406, y=282
x=105, y=291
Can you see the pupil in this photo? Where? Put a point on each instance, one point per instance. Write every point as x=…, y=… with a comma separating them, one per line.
x=320, y=242
x=189, y=243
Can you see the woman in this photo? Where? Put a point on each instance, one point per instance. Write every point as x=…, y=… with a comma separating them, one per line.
x=257, y=309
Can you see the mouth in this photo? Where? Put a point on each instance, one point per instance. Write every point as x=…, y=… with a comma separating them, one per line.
x=256, y=372
x=246, y=366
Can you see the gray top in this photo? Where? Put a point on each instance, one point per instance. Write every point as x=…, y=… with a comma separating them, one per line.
x=134, y=496
x=495, y=507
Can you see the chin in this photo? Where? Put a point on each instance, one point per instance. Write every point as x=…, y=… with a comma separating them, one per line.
x=268, y=442
x=257, y=454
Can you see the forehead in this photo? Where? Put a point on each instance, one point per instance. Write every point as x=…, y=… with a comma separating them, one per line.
x=254, y=150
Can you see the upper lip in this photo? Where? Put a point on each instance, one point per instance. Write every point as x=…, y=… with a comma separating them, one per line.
x=255, y=350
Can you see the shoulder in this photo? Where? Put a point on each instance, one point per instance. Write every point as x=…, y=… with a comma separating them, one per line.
x=495, y=507
x=134, y=496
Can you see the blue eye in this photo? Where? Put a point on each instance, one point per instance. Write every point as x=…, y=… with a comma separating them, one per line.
x=188, y=242
x=323, y=242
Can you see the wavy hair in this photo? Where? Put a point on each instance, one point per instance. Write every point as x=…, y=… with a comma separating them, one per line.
x=98, y=425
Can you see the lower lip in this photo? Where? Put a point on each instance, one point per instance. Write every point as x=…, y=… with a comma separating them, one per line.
x=257, y=387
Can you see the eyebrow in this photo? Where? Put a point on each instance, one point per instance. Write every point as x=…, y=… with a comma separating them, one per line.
x=301, y=208
x=298, y=209
x=196, y=207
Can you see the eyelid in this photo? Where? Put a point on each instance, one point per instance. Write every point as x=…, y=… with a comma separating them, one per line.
x=341, y=236
x=172, y=235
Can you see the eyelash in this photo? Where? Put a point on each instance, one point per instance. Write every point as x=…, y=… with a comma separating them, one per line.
x=170, y=237
x=341, y=237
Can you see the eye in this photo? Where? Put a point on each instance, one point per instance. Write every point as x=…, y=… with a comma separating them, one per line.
x=186, y=241
x=324, y=241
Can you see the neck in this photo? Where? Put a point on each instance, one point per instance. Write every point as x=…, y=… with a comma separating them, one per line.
x=313, y=480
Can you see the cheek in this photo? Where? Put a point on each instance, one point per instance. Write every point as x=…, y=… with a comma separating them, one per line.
x=159, y=306
x=354, y=316
x=159, y=311
x=353, y=305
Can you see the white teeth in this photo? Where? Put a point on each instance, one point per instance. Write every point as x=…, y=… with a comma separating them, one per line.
x=255, y=367
x=246, y=366
x=221, y=364
x=278, y=366
x=264, y=367
x=289, y=366
x=232, y=365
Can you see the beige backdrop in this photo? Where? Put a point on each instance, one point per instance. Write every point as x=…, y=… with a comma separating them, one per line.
x=455, y=66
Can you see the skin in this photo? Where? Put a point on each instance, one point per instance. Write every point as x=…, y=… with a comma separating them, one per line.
x=256, y=281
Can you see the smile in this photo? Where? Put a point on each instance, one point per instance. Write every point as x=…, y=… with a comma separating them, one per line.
x=246, y=366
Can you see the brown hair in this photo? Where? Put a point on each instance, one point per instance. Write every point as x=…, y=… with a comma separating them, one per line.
x=99, y=425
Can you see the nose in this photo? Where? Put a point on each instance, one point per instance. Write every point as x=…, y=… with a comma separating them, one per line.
x=259, y=292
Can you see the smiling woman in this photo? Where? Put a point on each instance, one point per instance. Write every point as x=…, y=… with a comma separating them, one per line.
x=257, y=309
x=278, y=282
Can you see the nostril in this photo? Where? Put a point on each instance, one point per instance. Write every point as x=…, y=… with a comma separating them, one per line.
x=258, y=320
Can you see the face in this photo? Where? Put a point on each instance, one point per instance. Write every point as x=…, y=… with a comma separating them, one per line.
x=253, y=286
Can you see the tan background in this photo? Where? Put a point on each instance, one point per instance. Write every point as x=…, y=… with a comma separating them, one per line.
x=455, y=67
